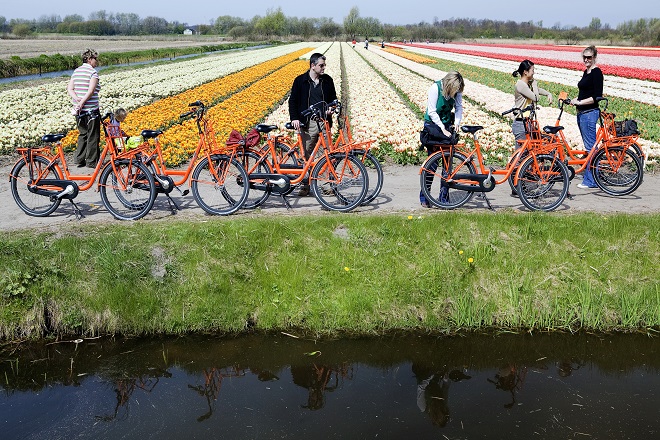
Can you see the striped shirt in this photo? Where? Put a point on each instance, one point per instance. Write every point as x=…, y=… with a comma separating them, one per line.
x=81, y=78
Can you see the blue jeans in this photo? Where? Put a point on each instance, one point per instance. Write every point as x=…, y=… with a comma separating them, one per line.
x=587, y=121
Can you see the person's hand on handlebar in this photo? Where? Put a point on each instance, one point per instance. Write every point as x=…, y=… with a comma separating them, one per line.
x=296, y=124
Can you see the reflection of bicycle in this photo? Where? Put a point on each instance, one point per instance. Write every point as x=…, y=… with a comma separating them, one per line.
x=210, y=390
x=40, y=180
x=338, y=180
x=216, y=180
x=450, y=177
x=616, y=162
x=510, y=379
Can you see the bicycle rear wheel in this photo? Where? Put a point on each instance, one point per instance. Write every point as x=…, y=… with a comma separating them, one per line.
x=543, y=182
x=36, y=205
x=341, y=183
x=435, y=173
x=127, y=189
x=218, y=185
x=260, y=189
x=375, y=173
x=617, y=170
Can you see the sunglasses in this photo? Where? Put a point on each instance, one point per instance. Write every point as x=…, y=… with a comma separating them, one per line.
x=321, y=65
x=585, y=58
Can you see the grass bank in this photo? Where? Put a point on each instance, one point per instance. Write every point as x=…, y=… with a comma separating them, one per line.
x=444, y=272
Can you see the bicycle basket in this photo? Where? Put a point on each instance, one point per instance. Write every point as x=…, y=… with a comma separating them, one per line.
x=627, y=127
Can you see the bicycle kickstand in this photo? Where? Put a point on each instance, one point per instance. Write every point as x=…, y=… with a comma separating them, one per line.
x=172, y=204
x=483, y=194
x=285, y=201
x=76, y=211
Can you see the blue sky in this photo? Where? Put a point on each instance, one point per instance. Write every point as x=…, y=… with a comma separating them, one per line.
x=564, y=12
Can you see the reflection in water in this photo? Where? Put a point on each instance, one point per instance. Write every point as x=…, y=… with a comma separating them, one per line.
x=319, y=379
x=124, y=389
x=433, y=391
x=212, y=381
x=510, y=379
x=555, y=386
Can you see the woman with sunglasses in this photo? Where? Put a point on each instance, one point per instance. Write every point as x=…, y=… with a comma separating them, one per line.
x=590, y=87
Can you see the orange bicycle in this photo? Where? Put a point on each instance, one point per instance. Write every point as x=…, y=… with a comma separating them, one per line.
x=338, y=180
x=616, y=162
x=40, y=180
x=216, y=180
x=449, y=177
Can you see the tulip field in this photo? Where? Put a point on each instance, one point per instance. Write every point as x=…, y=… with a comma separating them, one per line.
x=384, y=91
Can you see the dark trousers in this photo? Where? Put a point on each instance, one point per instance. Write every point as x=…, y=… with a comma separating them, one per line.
x=89, y=135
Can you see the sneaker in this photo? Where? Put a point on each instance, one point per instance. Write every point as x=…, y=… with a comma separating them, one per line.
x=583, y=186
x=304, y=191
x=81, y=165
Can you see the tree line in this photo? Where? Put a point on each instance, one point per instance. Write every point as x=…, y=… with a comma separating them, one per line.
x=644, y=31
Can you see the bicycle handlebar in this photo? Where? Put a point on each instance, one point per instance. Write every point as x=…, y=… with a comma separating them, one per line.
x=518, y=110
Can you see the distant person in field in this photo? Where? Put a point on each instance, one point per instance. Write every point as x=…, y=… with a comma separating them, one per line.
x=590, y=87
x=83, y=88
x=526, y=92
x=308, y=89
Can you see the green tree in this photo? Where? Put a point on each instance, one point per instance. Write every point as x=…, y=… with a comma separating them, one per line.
x=328, y=28
x=274, y=23
x=351, y=22
x=370, y=27
x=22, y=30
x=224, y=23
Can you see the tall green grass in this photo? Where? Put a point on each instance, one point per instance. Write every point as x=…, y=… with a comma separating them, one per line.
x=444, y=272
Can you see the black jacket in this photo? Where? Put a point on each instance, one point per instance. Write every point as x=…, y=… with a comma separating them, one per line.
x=300, y=94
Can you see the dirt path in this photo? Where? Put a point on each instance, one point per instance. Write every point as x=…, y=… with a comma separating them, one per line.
x=400, y=194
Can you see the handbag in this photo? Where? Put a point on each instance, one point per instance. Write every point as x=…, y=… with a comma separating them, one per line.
x=431, y=134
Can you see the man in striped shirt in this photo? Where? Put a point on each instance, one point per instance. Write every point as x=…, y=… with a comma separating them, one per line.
x=84, y=91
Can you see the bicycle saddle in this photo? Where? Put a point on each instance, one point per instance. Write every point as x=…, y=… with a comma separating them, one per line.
x=263, y=128
x=50, y=138
x=150, y=134
x=552, y=129
x=471, y=128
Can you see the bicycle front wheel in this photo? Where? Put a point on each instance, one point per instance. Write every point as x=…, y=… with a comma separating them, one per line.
x=617, y=170
x=543, y=182
x=36, y=205
x=439, y=168
x=341, y=183
x=260, y=189
x=127, y=189
x=375, y=173
x=218, y=185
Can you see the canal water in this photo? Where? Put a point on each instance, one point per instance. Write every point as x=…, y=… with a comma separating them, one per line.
x=278, y=386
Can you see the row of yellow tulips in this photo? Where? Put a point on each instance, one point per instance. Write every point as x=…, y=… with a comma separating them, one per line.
x=164, y=112
x=241, y=111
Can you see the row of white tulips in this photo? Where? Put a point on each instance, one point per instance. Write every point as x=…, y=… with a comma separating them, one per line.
x=647, y=92
x=640, y=58
x=376, y=110
x=28, y=113
x=415, y=79
x=497, y=101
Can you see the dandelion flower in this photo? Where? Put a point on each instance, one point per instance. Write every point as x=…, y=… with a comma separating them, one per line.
x=460, y=252
x=410, y=217
x=470, y=260
x=347, y=269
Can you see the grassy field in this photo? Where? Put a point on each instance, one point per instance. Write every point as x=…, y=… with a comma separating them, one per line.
x=336, y=274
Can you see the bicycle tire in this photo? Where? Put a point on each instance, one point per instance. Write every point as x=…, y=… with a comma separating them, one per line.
x=225, y=194
x=375, y=173
x=431, y=180
x=35, y=205
x=256, y=197
x=543, y=182
x=615, y=179
x=127, y=189
x=341, y=184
